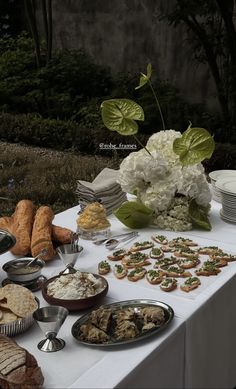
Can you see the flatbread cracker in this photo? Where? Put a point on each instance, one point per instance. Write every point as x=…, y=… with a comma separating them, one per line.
x=7, y=317
x=20, y=300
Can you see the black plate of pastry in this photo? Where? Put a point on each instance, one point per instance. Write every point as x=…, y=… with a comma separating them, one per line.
x=122, y=322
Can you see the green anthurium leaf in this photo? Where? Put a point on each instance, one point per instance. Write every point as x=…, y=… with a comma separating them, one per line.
x=198, y=216
x=133, y=214
x=145, y=77
x=121, y=114
x=195, y=145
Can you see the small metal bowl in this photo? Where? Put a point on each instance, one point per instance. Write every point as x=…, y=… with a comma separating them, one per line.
x=20, y=274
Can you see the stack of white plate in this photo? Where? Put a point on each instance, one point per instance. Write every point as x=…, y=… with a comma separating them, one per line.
x=227, y=188
x=217, y=175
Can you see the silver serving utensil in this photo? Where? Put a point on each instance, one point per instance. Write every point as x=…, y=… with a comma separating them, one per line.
x=74, y=242
x=34, y=260
x=101, y=241
x=112, y=243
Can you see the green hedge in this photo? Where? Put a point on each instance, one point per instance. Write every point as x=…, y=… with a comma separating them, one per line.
x=62, y=135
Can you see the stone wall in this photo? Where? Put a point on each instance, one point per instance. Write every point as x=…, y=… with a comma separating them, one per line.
x=127, y=34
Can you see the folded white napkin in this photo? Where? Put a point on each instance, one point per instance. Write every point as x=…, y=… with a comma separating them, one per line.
x=104, y=189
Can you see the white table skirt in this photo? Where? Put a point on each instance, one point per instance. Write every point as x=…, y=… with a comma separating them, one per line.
x=195, y=351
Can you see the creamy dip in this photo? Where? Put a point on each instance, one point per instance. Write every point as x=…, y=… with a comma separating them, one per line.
x=75, y=286
x=23, y=269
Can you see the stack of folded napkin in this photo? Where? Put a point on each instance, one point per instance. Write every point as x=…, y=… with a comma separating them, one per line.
x=104, y=189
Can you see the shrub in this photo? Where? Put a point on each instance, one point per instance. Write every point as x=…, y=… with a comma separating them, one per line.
x=57, y=89
x=51, y=181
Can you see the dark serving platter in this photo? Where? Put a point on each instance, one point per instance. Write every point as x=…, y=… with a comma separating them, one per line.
x=136, y=305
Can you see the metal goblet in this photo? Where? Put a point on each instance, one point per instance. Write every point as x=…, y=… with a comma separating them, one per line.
x=69, y=255
x=50, y=320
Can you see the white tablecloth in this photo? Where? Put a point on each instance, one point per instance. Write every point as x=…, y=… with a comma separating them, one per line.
x=195, y=351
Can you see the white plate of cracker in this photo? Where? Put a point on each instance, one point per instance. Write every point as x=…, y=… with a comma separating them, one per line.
x=17, y=305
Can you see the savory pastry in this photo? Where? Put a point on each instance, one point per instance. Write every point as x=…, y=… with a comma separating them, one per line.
x=182, y=241
x=141, y=245
x=117, y=255
x=93, y=218
x=166, y=262
x=125, y=314
x=92, y=334
x=101, y=318
x=126, y=330
x=156, y=253
x=190, y=284
x=208, y=269
x=188, y=263
x=21, y=227
x=160, y=239
x=120, y=271
x=208, y=250
x=155, y=315
x=223, y=256
x=185, y=252
x=137, y=274
x=103, y=267
x=168, y=284
x=42, y=233
x=154, y=276
x=175, y=271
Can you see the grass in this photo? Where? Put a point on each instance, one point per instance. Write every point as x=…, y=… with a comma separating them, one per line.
x=44, y=176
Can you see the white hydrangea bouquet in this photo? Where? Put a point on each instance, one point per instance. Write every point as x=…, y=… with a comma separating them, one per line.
x=166, y=175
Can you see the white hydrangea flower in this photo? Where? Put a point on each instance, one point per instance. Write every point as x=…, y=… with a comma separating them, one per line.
x=158, y=179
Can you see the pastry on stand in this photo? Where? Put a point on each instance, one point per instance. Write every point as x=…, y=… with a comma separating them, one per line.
x=92, y=222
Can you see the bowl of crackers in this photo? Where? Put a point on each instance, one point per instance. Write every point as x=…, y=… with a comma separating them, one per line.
x=17, y=305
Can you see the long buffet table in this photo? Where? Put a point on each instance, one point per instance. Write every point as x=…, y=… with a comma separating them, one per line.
x=197, y=350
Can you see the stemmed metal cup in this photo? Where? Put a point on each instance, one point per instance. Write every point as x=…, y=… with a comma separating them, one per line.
x=69, y=255
x=50, y=320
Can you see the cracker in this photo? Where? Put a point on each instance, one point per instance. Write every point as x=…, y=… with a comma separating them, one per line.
x=7, y=317
x=20, y=300
x=2, y=295
x=3, y=303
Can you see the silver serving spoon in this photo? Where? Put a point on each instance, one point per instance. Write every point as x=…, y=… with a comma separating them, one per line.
x=112, y=243
x=22, y=264
x=101, y=241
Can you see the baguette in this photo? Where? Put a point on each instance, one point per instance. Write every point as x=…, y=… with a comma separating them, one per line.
x=61, y=235
x=5, y=223
x=42, y=233
x=21, y=227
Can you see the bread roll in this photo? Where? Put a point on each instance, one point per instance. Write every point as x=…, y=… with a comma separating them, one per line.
x=42, y=233
x=61, y=235
x=21, y=227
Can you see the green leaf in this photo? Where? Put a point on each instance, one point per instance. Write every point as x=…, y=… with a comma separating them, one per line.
x=120, y=115
x=198, y=216
x=133, y=214
x=145, y=77
x=195, y=145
